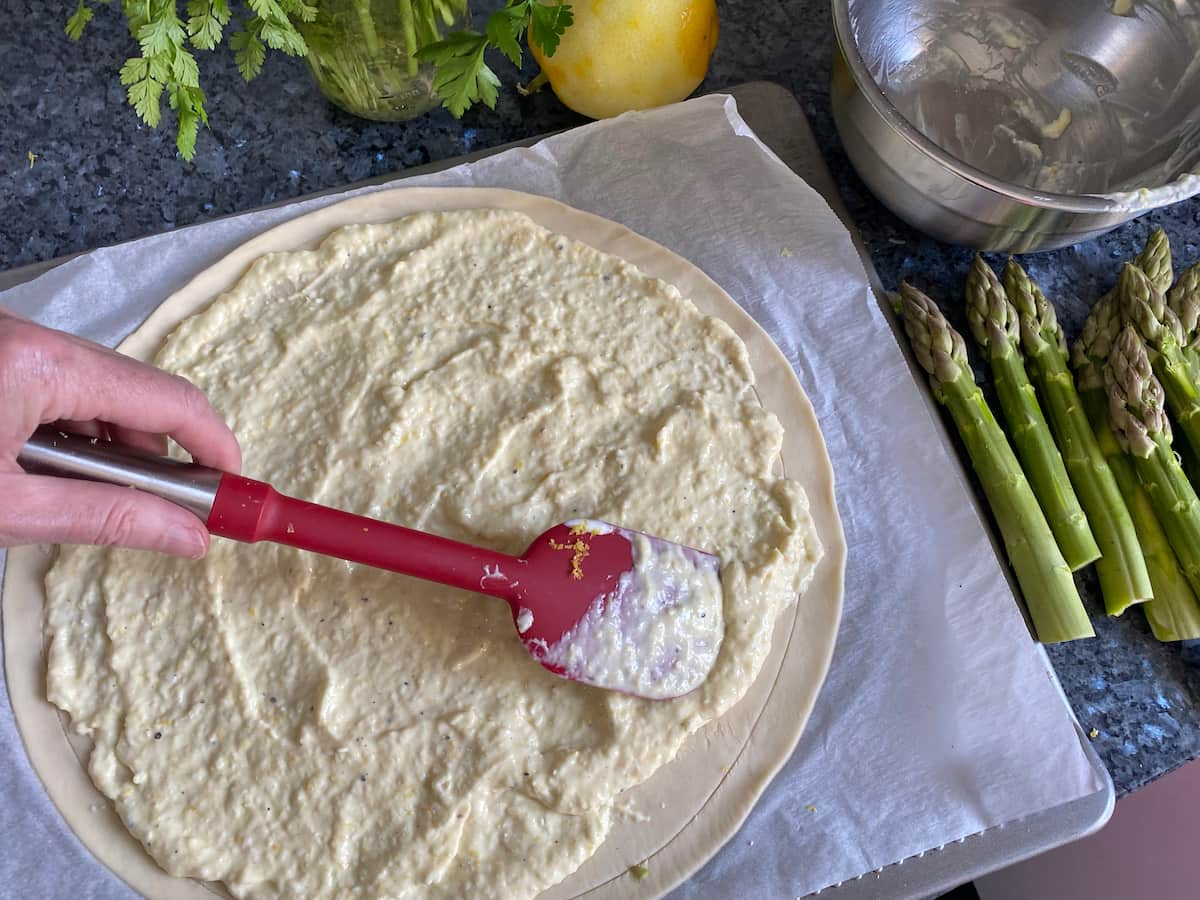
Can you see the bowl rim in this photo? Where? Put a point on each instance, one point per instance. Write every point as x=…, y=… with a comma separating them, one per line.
x=1075, y=203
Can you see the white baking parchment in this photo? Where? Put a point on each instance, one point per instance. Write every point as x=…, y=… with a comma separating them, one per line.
x=940, y=717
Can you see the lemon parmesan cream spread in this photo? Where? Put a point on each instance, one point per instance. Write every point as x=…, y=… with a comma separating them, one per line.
x=297, y=726
x=657, y=633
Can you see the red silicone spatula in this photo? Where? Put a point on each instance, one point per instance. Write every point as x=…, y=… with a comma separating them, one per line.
x=591, y=602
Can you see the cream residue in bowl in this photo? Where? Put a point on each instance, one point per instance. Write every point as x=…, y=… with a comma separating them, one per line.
x=1098, y=101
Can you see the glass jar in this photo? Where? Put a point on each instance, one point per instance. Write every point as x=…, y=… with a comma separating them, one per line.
x=362, y=53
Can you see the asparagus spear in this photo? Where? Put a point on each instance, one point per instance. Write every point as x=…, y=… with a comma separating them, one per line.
x=1140, y=423
x=1045, y=579
x=1144, y=306
x=1121, y=567
x=1173, y=614
x=1155, y=260
x=1184, y=300
x=1101, y=328
x=993, y=321
x=1091, y=349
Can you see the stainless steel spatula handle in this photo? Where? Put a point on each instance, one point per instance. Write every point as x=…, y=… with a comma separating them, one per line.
x=53, y=452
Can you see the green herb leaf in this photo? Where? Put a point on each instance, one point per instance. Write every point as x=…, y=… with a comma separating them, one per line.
x=274, y=28
x=144, y=92
x=159, y=70
x=268, y=10
x=547, y=24
x=461, y=76
x=78, y=21
x=302, y=10
x=206, y=22
x=162, y=33
x=248, y=51
x=504, y=29
x=188, y=103
x=284, y=37
x=184, y=69
x=134, y=70
x=137, y=12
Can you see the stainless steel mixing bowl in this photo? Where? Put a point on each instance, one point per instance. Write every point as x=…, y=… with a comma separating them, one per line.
x=1023, y=125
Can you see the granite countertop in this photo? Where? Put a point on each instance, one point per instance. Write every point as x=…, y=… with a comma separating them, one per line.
x=81, y=171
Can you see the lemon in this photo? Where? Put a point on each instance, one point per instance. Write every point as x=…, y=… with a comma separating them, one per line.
x=631, y=54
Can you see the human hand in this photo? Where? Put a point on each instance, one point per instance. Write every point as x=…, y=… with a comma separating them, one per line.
x=50, y=376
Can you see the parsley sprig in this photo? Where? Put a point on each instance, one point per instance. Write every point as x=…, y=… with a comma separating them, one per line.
x=166, y=64
x=462, y=76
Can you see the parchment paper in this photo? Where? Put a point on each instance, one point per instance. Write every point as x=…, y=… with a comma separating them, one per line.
x=940, y=718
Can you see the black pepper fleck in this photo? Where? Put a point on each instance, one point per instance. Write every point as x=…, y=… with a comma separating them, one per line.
x=158, y=735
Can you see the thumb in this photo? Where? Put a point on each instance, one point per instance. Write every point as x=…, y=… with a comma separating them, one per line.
x=40, y=510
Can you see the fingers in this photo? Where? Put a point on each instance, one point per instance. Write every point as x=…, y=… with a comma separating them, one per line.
x=51, y=376
x=155, y=444
x=59, y=510
x=86, y=429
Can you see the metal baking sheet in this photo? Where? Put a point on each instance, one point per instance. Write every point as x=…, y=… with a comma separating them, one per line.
x=777, y=119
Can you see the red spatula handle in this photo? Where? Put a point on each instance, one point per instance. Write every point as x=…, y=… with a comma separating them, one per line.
x=247, y=510
x=251, y=511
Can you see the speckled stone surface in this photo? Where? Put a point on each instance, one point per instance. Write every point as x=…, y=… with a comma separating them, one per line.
x=100, y=177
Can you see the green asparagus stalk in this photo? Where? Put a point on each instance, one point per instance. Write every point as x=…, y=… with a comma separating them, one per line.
x=1140, y=424
x=1184, y=300
x=1121, y=567
x=993, y=322
x=1155, y=262
x=1173, y=614
x=1045, y=578
x=1144, y=306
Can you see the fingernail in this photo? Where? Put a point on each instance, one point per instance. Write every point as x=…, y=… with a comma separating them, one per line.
x=183, y=541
